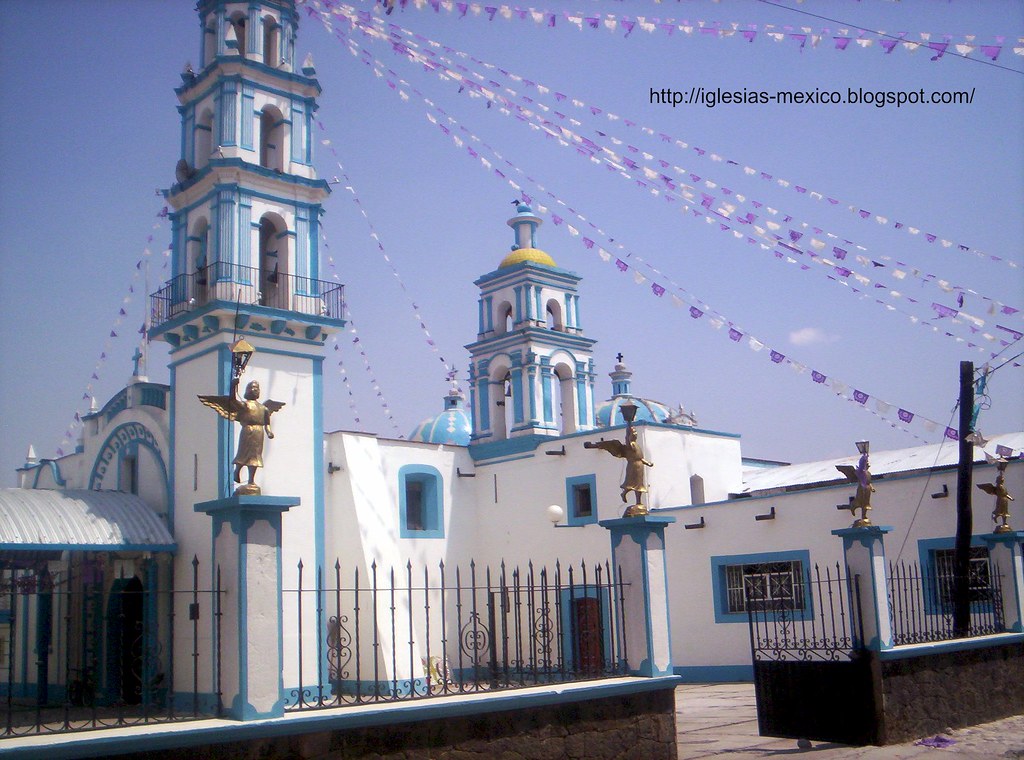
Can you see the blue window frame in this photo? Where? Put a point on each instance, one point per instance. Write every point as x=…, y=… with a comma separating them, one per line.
x=420, y=502
x=761, y=582
x=937, y=556
x=581, y=499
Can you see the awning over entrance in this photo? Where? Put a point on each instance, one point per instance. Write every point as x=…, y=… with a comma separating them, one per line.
x=58, y=520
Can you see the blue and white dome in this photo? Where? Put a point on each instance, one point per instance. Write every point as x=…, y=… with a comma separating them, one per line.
x=609, y=413
x=452, y=426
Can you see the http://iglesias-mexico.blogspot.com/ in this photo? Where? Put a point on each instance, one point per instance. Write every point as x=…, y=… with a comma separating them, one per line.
x=698, y=95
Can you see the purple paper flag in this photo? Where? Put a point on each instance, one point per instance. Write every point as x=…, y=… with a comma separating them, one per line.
x=817, y=376
x=905, y=416
x=658, y=290
x=622, y=265
x=952, y=435
x=735, y=334
x=695, y=312
x=1003, y=451
x=859, y=396
x=777, y=357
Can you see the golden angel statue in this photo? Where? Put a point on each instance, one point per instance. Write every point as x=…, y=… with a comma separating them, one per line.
x=254, y=418
x=1001, y=514
x=861, y=475
x=635, y=479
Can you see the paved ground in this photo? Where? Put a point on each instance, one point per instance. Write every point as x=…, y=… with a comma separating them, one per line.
x=720, y=721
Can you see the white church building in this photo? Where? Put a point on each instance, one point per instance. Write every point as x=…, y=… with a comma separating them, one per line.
x=500, y=473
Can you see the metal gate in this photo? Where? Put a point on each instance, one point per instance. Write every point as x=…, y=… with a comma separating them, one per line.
x=813, y=679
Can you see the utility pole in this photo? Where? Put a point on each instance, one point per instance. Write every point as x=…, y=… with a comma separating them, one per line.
x=964, y=518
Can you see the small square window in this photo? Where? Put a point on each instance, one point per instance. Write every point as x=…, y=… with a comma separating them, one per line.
x=421, y=502
x=581, y=499
x=582, y=506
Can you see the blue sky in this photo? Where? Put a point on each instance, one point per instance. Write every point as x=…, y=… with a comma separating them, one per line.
x=91, y=132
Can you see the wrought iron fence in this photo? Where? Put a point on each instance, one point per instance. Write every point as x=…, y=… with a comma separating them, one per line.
x=224, y=281
x=390, y=635
x=823, y=623
x=921, y=602
x=84, y=646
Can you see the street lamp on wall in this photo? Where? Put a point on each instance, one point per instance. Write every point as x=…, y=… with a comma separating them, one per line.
x=555, y=515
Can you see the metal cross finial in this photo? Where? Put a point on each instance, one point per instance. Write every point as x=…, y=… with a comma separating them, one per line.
x=618, y=357
x=135, y=358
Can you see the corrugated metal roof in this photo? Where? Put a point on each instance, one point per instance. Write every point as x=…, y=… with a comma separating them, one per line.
x=882, y=463
x=66, y=519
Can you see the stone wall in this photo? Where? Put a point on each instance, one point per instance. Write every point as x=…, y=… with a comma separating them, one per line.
x=924, y=695
x=639, y=725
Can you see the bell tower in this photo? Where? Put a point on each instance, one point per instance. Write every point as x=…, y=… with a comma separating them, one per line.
x=246, y=205
x=531, y=367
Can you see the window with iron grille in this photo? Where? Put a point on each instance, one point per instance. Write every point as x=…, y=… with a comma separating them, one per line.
x=765, y=586
x=979, y=577
x=773, y=583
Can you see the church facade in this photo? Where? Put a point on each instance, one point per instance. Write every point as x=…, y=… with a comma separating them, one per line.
x=501, y=473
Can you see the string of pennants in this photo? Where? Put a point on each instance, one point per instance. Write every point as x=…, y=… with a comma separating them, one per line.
x=115, y=333
x=804, y=37
x=622, y=162
x=375, y=236
x=697, y=309
x=841, y=273
x=357, y=343
x=364, y=17
x=353, y=407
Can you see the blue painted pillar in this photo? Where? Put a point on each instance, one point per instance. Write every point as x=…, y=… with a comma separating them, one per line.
x=864, y=554
x=1004, y=551
x=641, y=577
x=247, y=549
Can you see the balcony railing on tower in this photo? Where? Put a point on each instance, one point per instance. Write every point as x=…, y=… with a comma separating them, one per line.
x=232, y=283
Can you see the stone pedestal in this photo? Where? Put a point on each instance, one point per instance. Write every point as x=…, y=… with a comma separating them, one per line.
x=247, y=549
x=638, y=558
x=1004, y=551
x=864, y=554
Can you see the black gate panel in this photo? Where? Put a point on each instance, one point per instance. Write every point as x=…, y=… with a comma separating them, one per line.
x=821, y=701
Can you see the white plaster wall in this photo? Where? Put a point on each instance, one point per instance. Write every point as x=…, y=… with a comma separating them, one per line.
x=195, y=430
x=804, y=521
x=679, y=454
x=363, y=528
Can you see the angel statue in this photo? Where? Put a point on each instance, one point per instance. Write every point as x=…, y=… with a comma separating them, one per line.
x=635, y=474
x=1001, y=514
x=254, y=418
x=861, y=475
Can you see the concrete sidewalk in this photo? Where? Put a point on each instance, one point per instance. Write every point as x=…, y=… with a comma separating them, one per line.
x=720, y=721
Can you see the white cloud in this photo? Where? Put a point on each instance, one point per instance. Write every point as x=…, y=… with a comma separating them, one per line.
x=809, y=336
